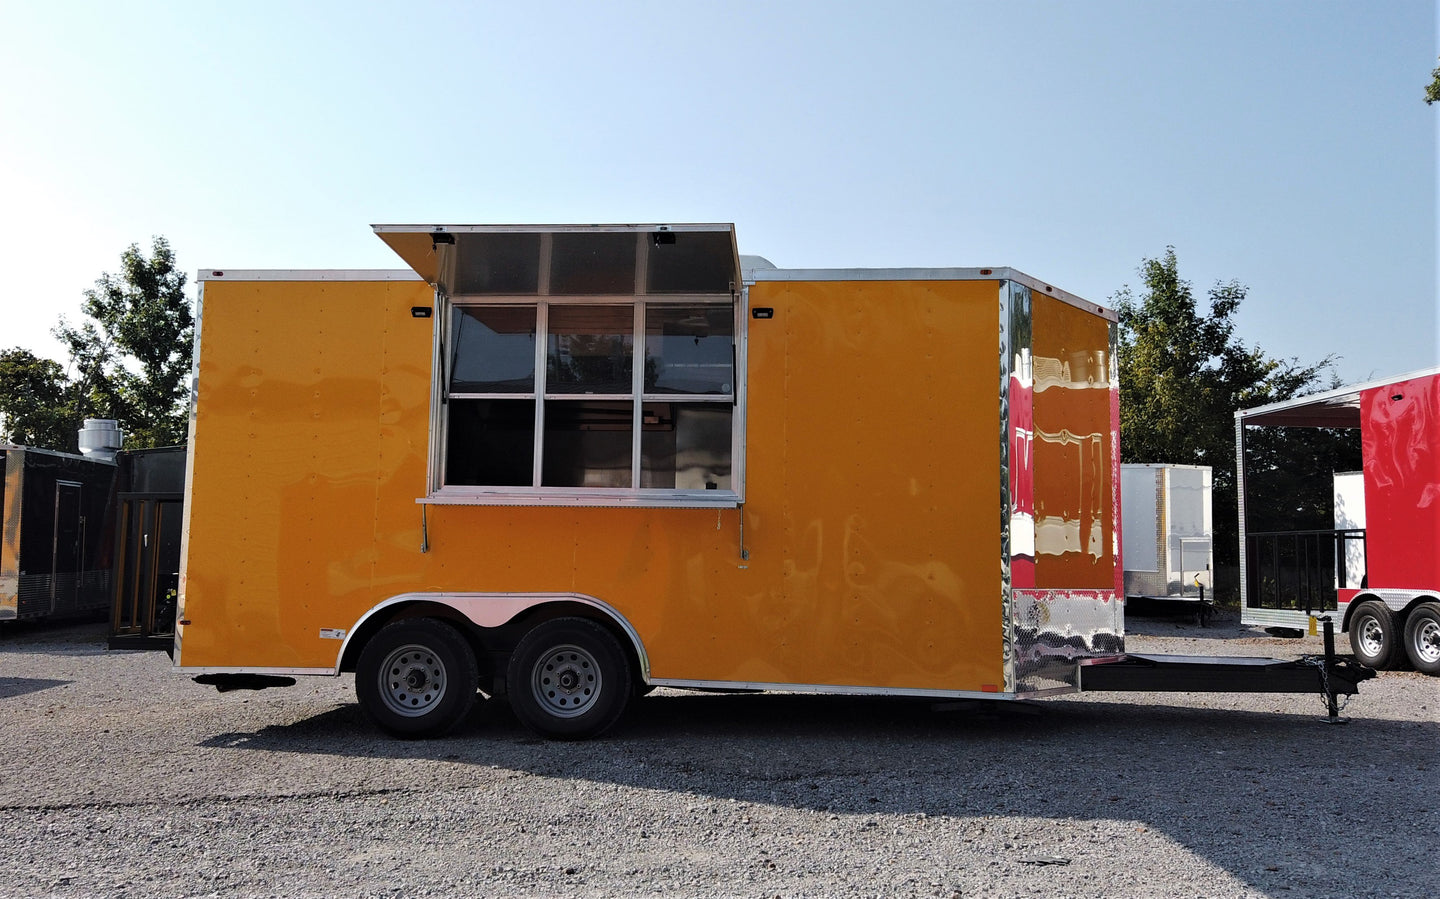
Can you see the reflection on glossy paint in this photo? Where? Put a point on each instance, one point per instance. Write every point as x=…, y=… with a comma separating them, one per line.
x=1022, y=468
x=1078, y=371
x=1068, y=522
x=1073, y=449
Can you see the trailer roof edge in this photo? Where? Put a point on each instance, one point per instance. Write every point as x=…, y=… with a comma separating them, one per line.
x=314, y=274
x=968, y=273
x=1330, y=408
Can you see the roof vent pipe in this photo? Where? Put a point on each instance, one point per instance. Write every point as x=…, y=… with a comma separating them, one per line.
x=100, y=439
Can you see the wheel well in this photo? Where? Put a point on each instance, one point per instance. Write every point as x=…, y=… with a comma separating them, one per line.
x=1400, y=614
x=372, y=625
x=1350, y=609
x=509, y=634
x=491, y=645
x=1419, y=599
x=1411, y=606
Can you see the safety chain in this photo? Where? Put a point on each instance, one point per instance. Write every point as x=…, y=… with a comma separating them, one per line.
x=1342, y=700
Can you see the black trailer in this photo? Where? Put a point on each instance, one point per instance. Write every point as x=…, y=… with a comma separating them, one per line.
x=55, y=550
x=149, y=505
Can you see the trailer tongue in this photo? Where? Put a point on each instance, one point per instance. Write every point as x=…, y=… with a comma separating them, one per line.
x=1327, y=675
x=1145, y=673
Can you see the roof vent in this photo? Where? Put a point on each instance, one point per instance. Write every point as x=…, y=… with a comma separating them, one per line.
x=101, y=439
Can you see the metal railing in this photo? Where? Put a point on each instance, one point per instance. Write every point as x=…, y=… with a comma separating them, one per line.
x=1300, y=570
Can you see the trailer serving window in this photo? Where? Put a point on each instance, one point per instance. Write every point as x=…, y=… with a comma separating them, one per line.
x=548, y=395
x=587, y=366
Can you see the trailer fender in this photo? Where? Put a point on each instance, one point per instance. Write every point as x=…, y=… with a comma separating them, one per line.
x=492, y=610
x=1398, y=601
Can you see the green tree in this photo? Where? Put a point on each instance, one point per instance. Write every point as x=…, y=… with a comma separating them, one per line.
x=1432, y=92
x=1183, y=375
x=129, y=361
x=35, y=401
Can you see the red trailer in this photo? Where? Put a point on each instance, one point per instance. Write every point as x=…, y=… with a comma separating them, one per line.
x=1391, y=607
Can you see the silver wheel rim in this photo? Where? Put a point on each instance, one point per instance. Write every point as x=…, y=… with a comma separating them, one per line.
x=412, y=680
x=1372, y=636
x=566, y=681
x=1427, y=641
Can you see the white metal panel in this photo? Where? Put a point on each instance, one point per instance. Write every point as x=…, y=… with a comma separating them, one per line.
x=1190, y=528
x=1138, y=509
x=1350, y=515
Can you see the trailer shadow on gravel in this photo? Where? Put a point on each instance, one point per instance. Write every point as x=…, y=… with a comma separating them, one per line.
x=1265, y=794
x=11, y=687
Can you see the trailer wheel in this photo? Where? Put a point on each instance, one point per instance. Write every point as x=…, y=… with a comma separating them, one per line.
x=569, y=679
x=417, y=678
x=1374, y=635
x=1422, y=637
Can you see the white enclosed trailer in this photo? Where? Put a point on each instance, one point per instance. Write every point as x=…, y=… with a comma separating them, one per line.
x=1168, y=539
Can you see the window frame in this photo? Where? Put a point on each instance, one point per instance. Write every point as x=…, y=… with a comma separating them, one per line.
x=441, y=493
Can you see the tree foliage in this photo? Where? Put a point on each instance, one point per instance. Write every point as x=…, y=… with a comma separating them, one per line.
x=1432, y=92
x=35, y=401
x=129, y=361
x=1183, y=375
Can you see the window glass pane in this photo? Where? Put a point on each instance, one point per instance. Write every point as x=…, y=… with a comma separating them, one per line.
x=493, y=349
x=689, y=349
x=587, y=444
x=686, y=446
x=491, y=443
x=602, y=263
x=497, y=263
x=590, y=349
x=690, y=262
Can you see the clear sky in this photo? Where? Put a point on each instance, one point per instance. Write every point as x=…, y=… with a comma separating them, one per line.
x=1282, y=144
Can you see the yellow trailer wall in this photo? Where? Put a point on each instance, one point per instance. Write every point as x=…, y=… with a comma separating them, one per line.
x=872, y=513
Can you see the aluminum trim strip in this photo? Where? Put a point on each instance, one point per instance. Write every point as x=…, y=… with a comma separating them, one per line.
x=688, y=227
x=1117, y=552
x=1395, y=598
x=615, y=500
x=281, y=274
x=186, y=506
x=1240, y=513
x=1293, y=618
x=841, y=690
x=254, y=670
x=1010, y=299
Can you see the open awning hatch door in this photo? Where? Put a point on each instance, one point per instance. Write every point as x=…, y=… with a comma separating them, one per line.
x=570, y=260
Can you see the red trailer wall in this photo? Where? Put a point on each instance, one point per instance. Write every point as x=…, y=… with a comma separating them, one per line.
x=1400, y=434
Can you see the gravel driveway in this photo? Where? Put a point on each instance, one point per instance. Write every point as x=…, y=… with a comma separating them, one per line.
x=121, y=778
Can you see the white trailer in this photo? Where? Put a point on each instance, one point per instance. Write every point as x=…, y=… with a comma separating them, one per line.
x=1168, y=538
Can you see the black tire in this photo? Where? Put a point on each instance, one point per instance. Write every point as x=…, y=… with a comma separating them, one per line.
x=569, y=679
x=1422, y=637
x=417, y=678
x=1375, y=636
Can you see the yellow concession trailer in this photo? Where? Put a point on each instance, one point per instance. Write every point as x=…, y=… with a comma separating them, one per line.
x=564, y=463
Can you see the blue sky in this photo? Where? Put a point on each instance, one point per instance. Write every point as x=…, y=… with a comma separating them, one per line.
x=1282, y=144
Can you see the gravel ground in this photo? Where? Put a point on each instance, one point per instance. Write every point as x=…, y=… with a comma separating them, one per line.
x=121, y=778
